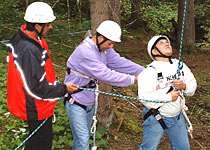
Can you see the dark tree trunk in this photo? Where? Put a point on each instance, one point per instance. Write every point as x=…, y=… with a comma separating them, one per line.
x=114, y=10
x=135, y=14
x=108, y=10
x=99, y=13
x=189, y=28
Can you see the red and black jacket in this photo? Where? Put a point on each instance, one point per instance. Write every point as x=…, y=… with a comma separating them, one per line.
x=32, y=87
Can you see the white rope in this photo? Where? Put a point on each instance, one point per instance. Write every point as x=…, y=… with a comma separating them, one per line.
x=94, y=148
x=187, y=120
x=54, y=118
x=93, y=128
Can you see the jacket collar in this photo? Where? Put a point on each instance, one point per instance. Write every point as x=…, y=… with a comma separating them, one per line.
x=30, y=37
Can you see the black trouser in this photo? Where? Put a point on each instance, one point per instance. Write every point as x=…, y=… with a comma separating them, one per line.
x=42, y=139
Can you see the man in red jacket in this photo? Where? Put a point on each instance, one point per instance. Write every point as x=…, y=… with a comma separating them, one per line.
x=32, y=86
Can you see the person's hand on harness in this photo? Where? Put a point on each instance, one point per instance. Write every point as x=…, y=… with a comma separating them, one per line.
x=174, y=95
x=71, y=87
x=179, y=84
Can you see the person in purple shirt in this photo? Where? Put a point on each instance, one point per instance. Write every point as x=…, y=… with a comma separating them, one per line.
x=95, y=59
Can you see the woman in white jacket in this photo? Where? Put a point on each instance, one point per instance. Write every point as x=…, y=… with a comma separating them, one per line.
x=160, y=82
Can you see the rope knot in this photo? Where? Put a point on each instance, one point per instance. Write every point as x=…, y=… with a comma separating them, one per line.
x=94, y=148
x=93, y=129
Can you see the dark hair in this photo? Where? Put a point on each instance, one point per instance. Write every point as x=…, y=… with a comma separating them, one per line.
x=30, y=26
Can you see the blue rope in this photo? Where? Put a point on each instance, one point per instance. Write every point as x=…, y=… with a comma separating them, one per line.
x=57, y=66
x=31, y=134
x=122, y=96
x=68, y=33
x=126, y=99
x=181, y=40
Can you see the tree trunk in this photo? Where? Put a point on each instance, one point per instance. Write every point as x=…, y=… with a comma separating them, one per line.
x=114, y=10
x=189, y=28
x=26, y=3
x=105, y=112
x=135, y=13
x=100, y=11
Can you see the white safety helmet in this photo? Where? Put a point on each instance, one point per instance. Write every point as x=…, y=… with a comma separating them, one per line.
x=111, y=30
x=39, y=12
x=153, y=41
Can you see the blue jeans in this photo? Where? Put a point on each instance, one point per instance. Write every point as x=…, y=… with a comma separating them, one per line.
x=176, y=131
x=80, y=123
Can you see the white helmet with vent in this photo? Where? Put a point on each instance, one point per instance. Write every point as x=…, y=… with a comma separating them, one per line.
x=153, y=41
x=39, y=12
x=111, y=30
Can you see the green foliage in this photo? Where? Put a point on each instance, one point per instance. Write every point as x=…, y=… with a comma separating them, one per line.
x=12, y=129
x=11, y=11
x=101, y=138
x=202, y=14
x=157, y=16
x=126, y=10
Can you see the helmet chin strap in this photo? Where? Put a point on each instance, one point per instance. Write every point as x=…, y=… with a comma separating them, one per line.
x=162, y=55
x=97, y=43
x=39, y=33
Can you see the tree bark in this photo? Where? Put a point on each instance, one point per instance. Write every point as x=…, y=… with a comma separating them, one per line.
x=26, y=3
x=105, y=112
x=99, y=13
x=189, y=27
x=103, y=10
x=114, y=10
x=135, y=13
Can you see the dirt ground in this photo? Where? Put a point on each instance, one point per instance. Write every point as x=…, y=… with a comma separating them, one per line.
x=122, y=137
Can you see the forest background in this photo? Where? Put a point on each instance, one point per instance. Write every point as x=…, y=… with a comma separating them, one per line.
x=140, y=20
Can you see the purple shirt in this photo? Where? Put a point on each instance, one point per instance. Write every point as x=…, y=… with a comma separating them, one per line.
x=105, y=66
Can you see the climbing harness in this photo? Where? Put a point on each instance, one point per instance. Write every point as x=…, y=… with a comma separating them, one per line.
x=156, y=114
x=92, y=84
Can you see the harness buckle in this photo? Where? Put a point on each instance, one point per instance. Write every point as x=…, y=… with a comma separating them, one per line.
x=158, y=117
x=71, y=101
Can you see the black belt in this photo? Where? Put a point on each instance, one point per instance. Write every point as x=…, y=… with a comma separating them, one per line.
x=157, y=115
x=76, y=103
x=91, y=84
